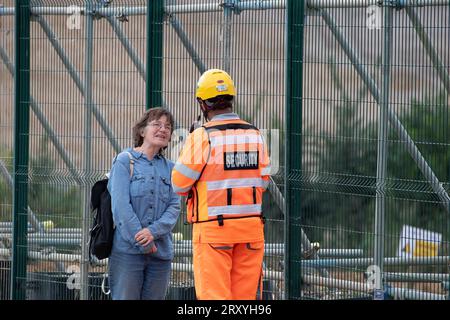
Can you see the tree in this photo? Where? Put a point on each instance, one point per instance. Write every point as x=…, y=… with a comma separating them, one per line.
x=339, y=174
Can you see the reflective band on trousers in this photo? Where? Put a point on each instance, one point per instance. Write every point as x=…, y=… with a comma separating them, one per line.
x=236, y=209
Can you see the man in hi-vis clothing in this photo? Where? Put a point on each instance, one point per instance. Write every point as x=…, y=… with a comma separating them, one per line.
x=223, y=170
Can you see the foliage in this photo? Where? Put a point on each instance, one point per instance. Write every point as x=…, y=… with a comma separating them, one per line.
x=5, y=190
x=52, y=199
x=48, y=198
x=339, y=210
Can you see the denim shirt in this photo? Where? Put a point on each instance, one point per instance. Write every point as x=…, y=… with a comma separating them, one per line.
x=145, y=200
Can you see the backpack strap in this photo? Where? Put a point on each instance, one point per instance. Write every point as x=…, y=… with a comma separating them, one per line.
x=130, y=156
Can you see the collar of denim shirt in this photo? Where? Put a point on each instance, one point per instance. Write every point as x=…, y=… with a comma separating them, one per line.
x=138, y=154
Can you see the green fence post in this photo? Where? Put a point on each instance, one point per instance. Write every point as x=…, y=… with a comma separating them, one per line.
x=155, y=15
x=21, y=132
x=294, y=83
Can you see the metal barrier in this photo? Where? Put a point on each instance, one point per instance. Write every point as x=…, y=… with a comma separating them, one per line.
x=356, y=118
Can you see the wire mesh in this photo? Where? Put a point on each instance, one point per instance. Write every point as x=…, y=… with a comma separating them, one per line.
x=344, y=197
x=88, y=86
x=6, y=144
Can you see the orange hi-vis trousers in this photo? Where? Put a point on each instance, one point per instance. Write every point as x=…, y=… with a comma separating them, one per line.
x=228, y=271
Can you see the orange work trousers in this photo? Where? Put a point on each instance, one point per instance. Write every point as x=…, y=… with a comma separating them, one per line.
x=228, y=271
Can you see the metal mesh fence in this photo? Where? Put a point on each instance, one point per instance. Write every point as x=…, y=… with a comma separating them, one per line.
x=86, y=93
x=367, y=197
x=374, y=177
x=6, y=142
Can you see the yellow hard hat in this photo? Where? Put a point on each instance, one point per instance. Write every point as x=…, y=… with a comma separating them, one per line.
x=213, y=83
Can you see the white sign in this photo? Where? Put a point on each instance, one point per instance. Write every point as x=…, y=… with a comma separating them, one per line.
x=74, y=19
x=416, y=242
x=374, y=15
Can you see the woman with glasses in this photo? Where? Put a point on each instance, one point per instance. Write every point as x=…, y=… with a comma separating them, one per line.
x=145, y=210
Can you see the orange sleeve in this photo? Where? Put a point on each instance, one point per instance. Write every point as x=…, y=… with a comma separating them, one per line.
x=265, y=163
x=191, y=162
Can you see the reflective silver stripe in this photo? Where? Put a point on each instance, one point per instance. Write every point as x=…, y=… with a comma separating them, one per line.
x=266, y=171
x=237, y=209
x=226, y=116
x=186, y=171
x=235, y=183
x=235, y=139
x=265, y=184
x=180, y=190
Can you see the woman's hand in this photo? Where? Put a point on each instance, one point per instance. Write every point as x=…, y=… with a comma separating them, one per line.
x=144, y=237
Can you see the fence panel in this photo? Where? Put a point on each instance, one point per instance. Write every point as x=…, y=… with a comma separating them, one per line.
x=6, y=140
x=374, y=177
x=353, y=102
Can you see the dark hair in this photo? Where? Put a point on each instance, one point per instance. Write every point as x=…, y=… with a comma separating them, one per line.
x=220, y=102
x=149, y=116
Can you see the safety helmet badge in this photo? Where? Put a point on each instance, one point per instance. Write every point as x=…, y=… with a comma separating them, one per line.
x=222, y=87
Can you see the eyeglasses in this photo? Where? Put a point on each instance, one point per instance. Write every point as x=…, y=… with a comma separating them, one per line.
x=160, y=125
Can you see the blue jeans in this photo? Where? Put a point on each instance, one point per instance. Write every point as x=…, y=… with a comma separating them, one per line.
x=138, y=277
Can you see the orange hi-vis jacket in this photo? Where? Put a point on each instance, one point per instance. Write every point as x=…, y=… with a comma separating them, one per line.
x=224, y=170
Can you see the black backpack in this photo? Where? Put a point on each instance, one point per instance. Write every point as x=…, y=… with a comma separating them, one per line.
x=102, y=231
